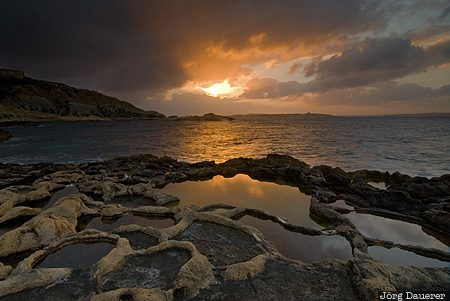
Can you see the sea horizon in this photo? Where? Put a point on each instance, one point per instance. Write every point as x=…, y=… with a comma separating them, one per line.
x=316, y=141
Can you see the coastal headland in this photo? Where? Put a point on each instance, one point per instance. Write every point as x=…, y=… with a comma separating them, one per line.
x=24, y=99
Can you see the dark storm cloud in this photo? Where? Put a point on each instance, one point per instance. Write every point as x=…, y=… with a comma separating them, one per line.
x=435, y=26
x=102, y=41
x=385, y=94
x=373, y=61
x=129, y=45
x=270, y=88
x=445, y=13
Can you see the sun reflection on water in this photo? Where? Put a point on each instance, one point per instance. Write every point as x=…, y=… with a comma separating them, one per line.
x=241, y=190
x=348, y=142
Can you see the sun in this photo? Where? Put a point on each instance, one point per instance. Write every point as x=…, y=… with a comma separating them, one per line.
x=222, y=90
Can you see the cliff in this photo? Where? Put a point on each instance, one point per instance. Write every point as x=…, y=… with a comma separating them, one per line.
x=31, y=99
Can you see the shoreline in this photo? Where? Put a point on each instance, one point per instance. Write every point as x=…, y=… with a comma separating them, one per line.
x=415, y=199
x=37, y=121
x=351, y=182
x=380, y=174
x=213, y=117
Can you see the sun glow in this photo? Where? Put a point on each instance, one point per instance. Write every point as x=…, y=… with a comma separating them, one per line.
x=222, y=90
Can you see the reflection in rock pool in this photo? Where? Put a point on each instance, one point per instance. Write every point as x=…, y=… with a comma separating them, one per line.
x=299, y=246
x=405, y=258
x=289, y=203
x=109, y=224
x=241, y=190
x=76, y=256
x=139, y=240
x=394, y=230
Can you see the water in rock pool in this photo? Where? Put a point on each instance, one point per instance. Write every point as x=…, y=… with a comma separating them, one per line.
x=299, y=246
x=279, y=200
x=405, y=258
x=76, y=256
x=242, y=191
x=418, y=146
x=394, y=230
x=288, y=202
x=109, y=224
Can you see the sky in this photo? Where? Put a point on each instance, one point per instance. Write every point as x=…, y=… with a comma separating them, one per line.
x=187, y=57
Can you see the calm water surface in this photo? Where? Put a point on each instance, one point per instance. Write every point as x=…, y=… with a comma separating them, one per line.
x=290, y=203
x=242, y=191
x=299, y=246
x=280, y=200
x=404, y=258
x=394, y=230
x=82, y=255
x=412, y=145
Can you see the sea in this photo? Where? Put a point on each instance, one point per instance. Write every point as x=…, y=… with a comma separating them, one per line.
x=414, y=145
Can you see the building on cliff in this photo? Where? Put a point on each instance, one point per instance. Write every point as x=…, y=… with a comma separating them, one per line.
x=12, y=73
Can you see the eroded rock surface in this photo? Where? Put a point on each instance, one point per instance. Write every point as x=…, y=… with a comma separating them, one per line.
x=284, y=279
x=207, y=254
x=77, y=286
x=222, y=245
x=155, y=270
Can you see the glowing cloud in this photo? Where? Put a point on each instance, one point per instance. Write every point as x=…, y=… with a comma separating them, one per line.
x=222, y=90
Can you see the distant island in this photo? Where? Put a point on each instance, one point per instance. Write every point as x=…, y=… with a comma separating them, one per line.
x=205, y=117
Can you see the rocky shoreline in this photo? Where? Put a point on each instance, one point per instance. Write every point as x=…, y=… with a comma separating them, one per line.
x=186, y=261
x=24, y=99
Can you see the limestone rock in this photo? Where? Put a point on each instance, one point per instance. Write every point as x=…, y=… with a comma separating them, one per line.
x=371, y=276
x=55, y=223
